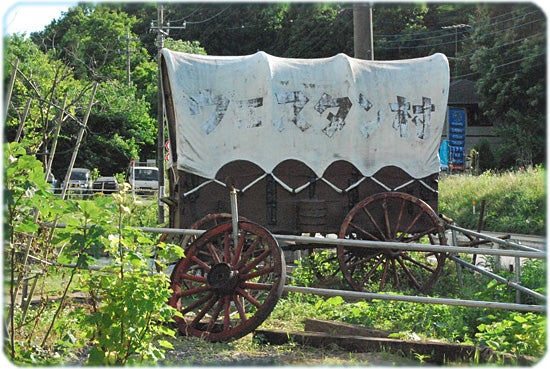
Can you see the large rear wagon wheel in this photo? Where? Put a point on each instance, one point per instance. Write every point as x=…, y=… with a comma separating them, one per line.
x=391, y=217
x=225, y=290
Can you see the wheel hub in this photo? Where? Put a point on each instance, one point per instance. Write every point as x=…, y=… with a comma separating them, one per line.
x=392, y=253
x=222, y=278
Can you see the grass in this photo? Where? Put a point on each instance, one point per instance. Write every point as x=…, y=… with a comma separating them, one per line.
x=515, y=202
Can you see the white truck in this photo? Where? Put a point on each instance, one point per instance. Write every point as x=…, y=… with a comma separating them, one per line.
x=144, y=178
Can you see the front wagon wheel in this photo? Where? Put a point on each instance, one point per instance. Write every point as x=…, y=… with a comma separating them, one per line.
x=225, y=290
x=391, y=217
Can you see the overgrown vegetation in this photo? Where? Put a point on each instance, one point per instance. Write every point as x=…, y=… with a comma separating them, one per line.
x=127, y=319
x=506, y=331
x=515, y=201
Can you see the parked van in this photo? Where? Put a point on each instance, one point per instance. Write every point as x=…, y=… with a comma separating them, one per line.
x=80, y=181
x=143, y=179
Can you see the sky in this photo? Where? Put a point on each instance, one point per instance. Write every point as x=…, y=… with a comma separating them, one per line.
x=30, y=16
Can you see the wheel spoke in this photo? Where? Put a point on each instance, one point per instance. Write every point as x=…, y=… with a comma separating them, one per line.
x=249, y=297
x=206, y=309
x=263, y=271
x=389, y=235
x=193, y=291
x=237, y=300
x=385, y=261
x=256, y=286
x=373, y=269
x=417, y=236
x=366, y=233
x=248, y=253
x=239, y=249
x=214, y=316
x=400, y=216
x=193, y=277
x=227, y=312
x=374, y=222
x=410, y=275
x=197, y=303
x=212, y=249
x=201, y=263
x=424, y=266
x=254, y=262
x=396, y=278
x=416, y=218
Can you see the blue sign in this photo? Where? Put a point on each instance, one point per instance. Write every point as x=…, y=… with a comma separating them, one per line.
x=457, y=135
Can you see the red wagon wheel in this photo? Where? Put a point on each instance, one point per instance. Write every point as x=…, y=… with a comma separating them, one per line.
x=391, y=217
x=225, y=290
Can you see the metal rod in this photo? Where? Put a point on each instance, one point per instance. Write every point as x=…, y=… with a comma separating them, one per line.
x=499, y=278
x=492, y=239
x=419, y=299
x=537, y=254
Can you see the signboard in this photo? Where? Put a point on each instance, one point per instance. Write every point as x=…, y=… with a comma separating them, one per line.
x=457, y=137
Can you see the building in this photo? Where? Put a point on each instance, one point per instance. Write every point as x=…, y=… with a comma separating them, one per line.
x=465, y=126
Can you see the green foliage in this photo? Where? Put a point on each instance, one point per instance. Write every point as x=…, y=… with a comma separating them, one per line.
x=505, y=331
x=27, y=203
x=190, y=47
x=319, y=268
x=510, y=62
x=485, y=157
x=517, y=334
x=515, y=200
x=43, y=84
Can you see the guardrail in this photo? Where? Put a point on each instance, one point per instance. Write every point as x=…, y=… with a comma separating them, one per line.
x=87, y=192
x=520, y=251
x=451, y=250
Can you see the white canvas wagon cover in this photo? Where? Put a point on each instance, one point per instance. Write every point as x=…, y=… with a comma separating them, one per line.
x=267, y=109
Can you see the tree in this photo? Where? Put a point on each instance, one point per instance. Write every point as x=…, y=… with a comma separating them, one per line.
x=227, y=28
x=93, y=40
x=315, y=30
x=509, y=55
x=45, y=94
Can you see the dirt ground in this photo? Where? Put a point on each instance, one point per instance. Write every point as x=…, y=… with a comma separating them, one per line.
x=190, y=351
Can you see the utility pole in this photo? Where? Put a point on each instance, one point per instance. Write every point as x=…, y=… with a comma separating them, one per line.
x=128, y=51
x=160, y=113
x=362, y=31
x=162, y=32
x=456, y=27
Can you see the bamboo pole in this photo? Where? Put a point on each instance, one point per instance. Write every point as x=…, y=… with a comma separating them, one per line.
x=55, y=138
x=23, y=119
x=10, y=89
x=77, y=146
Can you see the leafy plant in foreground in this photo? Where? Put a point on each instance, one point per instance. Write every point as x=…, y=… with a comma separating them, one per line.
x=28, y=204
x=130, y=314
x=518, y=333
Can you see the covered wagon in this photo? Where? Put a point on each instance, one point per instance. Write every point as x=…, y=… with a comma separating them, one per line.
x=308, y=146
